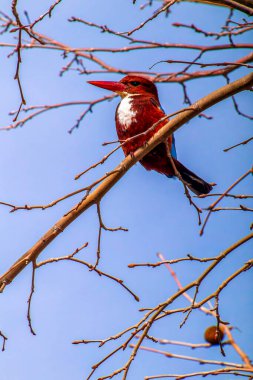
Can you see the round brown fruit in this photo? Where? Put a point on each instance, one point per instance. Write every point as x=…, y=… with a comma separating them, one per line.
x=214, y=335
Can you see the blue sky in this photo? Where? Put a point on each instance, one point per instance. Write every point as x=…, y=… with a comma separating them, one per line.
x=38, y=164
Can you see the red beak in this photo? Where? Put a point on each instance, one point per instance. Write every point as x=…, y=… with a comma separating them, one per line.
x=111, y=86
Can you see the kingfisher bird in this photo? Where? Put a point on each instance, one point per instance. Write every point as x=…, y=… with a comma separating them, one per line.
x=138, y=113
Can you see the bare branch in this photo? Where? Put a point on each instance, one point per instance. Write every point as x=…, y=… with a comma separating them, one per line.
x=201, y=64
x=235, y=196
x=212, y=206
x=86, y=189
x=190, y=358
x=159, y=312
x=179, y=343
x=30, y=299
x=44, y=108
x=91, y=267
x=47, y=13
x=236, y=30
x=103, y=227
x=241, y=208
x=241, y=143
x=186, y=76
x=174, y=261
x=245, y=372
x=4, y=337
x=240, y=352
x=164, y=8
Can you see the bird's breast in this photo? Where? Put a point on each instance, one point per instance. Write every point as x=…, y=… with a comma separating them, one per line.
x=126, y=114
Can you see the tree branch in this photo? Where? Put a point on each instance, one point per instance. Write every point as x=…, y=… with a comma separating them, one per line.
x=93, y=198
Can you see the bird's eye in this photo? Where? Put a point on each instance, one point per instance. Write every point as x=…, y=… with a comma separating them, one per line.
x=135, y=83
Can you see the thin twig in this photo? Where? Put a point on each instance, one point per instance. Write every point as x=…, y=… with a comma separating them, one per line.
x=221, y=371
x=174, y=261
x=212, y=206
x=30, y=299
x=164, y=8
x=102, y=226
x=190, y=358
x=4, y=337
x=241, y=208
x=235, y=196
x=91, y=267
x=241, y=143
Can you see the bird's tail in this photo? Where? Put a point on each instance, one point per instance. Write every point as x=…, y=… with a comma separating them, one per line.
x=195, y=183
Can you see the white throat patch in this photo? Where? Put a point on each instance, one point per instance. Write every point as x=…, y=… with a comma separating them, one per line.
x=126, y=114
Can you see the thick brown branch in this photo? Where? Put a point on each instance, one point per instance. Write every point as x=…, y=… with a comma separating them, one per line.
x=94, y=197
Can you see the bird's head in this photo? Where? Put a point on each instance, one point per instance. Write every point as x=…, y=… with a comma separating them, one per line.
x=129, y=85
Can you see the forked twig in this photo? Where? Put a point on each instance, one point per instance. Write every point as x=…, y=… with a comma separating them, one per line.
x=212, y=206
x=4, y=337
x=102, y=226
x=91, y=267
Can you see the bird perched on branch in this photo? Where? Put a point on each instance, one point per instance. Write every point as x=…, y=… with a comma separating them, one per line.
x=138, y=114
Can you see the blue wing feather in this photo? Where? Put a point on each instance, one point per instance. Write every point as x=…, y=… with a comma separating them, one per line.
x=173, y=148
